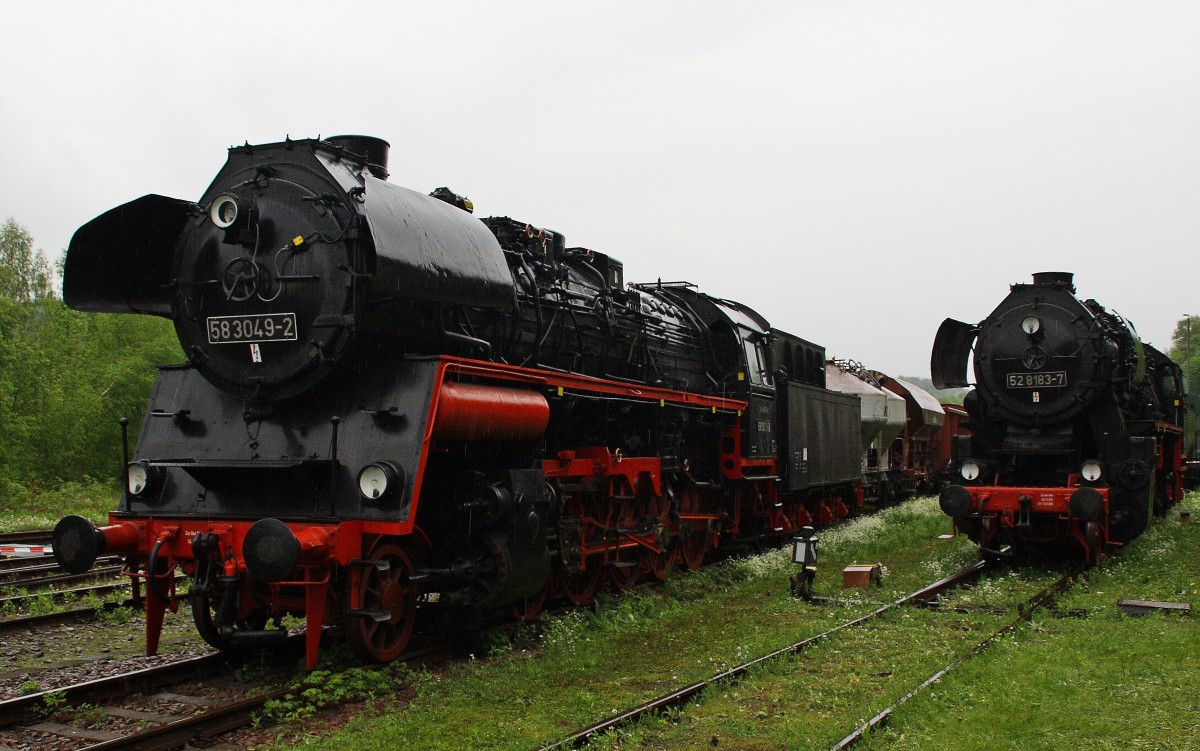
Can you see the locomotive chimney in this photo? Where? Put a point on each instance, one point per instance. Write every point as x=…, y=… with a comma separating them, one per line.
x=1055, y=278
x=374, y=150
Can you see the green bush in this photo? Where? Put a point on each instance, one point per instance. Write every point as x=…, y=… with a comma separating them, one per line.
x=66, y=378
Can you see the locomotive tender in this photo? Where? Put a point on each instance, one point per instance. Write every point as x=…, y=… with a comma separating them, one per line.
x=392, y=406
x=1076, y=423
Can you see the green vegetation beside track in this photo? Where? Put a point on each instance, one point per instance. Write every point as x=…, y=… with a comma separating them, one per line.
x=23, y=507
x=636, y=646
x=1085, y=675
x=1081, y=674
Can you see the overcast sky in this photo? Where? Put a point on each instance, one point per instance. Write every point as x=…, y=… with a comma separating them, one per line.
x=856, y=171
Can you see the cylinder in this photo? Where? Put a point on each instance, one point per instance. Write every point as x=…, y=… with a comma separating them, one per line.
x=475, y=412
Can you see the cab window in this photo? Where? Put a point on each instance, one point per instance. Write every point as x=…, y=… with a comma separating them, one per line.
x=757, y=366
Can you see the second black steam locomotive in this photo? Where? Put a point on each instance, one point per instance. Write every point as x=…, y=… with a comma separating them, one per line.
x=1076, y=423
x=390, y=405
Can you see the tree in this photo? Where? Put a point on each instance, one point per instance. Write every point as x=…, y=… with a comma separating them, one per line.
x=66, y=377
x=24, y=272
x=1185, y=350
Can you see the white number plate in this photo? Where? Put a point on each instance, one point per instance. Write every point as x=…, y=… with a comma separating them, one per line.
x=276, y=327
x=1052, y=379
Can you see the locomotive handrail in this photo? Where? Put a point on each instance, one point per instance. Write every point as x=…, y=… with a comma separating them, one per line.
x=564, y=380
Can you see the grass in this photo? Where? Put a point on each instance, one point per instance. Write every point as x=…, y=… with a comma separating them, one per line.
x=39, y=603
x=23, y=508
x=1083, y=675
x=1050, y=685
x=813, y=699
x=324, y=688
x=1101, y=681
x=636, y=646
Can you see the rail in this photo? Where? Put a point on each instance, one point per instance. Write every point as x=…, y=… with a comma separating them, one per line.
x=1025, y=611
x=682, y=695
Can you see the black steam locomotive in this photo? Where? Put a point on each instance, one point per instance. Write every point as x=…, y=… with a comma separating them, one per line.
x=391, y=406
x=1076, y=423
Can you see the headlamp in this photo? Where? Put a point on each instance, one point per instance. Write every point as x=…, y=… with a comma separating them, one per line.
x=1091, y=470
x=141, y=478
x=379, y=480
x=969, y=469
x=224, y=211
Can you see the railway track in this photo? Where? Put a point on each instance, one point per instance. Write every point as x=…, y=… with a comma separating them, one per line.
x=687, y=693
x=927, y=597
x=158, y=717
x=1025, y=610
x=28, y=537
x=100, y=590
x=38, y=620
x=35, y=580
x=199, y=716
x=158, y=708
x=26, y=576
x=23, y=573
x=40, y=577
x=29, y=585
x=25, y=562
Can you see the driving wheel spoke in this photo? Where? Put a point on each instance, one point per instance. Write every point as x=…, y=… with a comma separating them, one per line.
x=388, y=591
